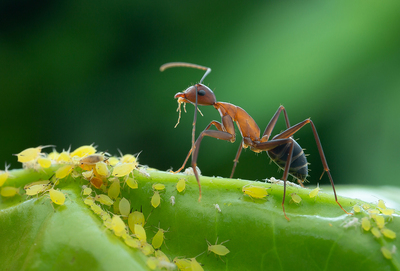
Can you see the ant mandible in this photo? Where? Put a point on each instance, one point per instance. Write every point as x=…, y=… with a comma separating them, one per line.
x=282, y=148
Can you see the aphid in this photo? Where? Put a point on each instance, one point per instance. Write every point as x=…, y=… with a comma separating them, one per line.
x=63, y=157
x=380, y=221
x=96, y=182
x=135, y=218
x=158, y=186
x=64, y=171
x=104, y=199
x=314, y=192
x=9, y=191
x=92, y=159
x=351, y=222
x=4, y=175
x=161, y=256
x=152, y=262
x=216, y=206
x=132, y=242
x=30, y=154
x=89, y=201
x=158, y=239
x=147, y=249
x=87, y=174
x=381, y=204
x=180, y=186
x=113, y=161
x=44, y=162
x=37, y=188
x=114, y=189
x=256, y=192
x=386, y=253
x=172, y=200
x=388, y=212
x=123, y=169
x=118, y=225
x=182, y=264
x=295, y=198
x=219, y=250
x=140, y=233
x=132, y=183
x=96, y=209
x=388, y=233
x=190, y=171
x=57, y=196
x=366, y=223
x=195, y=265
x=375, y=231
x=102, y=169
x=281, y=148
x=87, y=190
x=128, y=158
x=84, y=151
x=365, y=206
x=124, y=207
x=155, y=199
x=53, y=155
x=357, y=208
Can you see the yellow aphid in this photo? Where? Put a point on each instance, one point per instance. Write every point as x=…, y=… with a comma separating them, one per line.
x=113, y=161
x=386, y=253
x=108, y=223
x=116, y=206
x=257, y=192
x=53, y=155
x=182, y=264
x=373, y=212
x=388, y=233
x=30, y=154
x=366, y=223
x=37, y=188
x=219, y=250
x=114, y=189
x=123, y=169
x=102, y=169
x=124, y=207
x=9, y=191
x=89, y=201
x=104, y=199
x=44, y=162
x=380, y=221
x=135, y=218
x=158, y=186
x=195, y=265
x=4, y=175
x=96, y=209
x=180, y=186
x=128, y=158
x=132, y=242
x=83, y=151
x=375, y=231
x=357, y=208
x=381, y=204
x=117, y=224
x=57, y=196
x=140, y=233
x=158, y=239
x=161, y=256
x=29, y=185
x=314, y=192
x=87, y=174
x=155, y=199
x=92, y=159
x=64, y=171
x=147, y=249
x=389, y=212
x=132, y=183
x=105, y=216
x=87, y=191
x=295, y=198
x=64, y=157
x=152, y=262
x=365, y=206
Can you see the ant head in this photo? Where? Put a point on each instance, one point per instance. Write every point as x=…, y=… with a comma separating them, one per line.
x=205, y=96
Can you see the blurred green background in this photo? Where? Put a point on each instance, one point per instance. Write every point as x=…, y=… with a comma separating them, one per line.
x=78, y=72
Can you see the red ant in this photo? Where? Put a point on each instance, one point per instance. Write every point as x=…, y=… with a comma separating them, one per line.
x=282, y=148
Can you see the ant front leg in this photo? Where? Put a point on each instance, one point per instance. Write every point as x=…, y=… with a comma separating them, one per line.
x=225, y=132
x=218, y=125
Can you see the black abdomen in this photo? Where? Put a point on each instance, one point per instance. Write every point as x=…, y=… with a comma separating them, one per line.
x=298, y=166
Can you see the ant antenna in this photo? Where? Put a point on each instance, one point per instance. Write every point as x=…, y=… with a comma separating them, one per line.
x=195, y=66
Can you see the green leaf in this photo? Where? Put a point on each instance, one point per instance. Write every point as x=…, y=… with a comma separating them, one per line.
x=34, y=235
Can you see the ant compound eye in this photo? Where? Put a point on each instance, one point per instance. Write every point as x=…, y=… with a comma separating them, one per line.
x=201, y=92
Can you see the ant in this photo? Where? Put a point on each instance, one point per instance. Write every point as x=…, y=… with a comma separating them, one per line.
x=282, y=148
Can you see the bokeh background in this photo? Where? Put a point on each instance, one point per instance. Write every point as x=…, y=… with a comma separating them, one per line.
x=82, y=72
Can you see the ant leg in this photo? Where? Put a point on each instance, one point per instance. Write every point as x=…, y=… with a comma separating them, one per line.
x=272, y=122
x=237, y=157
x=218, y=125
